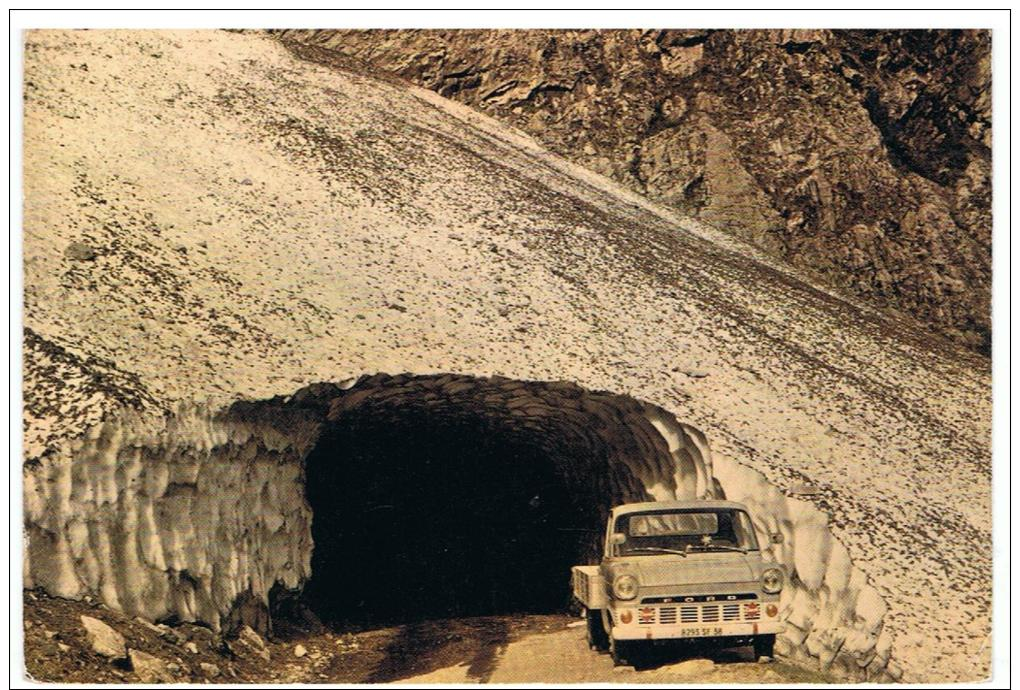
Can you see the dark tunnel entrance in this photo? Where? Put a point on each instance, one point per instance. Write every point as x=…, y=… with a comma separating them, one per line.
x=425, y=521
x=436, y=497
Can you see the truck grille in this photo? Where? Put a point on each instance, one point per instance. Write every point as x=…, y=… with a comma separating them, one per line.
x=699, y=613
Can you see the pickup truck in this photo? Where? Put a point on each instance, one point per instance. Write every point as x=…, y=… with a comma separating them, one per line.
x=680, y=570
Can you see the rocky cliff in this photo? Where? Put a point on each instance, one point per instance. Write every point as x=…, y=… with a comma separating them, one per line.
x=862, y=156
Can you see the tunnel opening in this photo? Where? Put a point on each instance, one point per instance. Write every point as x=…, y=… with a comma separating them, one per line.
x=419, y=518
x=440, y=497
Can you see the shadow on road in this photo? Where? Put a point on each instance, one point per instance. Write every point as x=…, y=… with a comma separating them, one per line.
x=421, y=647
x=678, y=652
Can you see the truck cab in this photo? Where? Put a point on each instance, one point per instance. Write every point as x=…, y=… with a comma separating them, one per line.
x=675, y=570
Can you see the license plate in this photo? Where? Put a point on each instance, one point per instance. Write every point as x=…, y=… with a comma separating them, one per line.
x=701, y=632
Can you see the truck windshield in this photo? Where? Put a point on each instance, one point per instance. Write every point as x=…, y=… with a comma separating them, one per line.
x=685, y=531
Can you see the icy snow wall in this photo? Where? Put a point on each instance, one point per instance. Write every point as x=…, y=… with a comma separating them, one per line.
x=180, y=516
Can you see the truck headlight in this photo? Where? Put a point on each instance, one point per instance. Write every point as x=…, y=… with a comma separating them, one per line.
x=625, y=587
x=772, y=581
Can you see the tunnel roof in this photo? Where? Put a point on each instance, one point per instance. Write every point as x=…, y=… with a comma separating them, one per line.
x=669, y=505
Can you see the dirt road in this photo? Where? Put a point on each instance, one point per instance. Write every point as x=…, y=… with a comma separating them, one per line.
x=562, y=656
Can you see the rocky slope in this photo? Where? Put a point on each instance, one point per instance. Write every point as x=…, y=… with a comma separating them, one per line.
x=212, y=217
x=863, y=156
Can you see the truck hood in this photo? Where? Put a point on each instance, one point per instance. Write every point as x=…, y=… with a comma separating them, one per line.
x=696, y=569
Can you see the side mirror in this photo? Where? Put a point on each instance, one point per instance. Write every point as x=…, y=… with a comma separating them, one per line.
x=617, y=538
x=776, y=538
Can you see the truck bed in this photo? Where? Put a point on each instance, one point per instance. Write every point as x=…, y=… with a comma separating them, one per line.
x=589, y=586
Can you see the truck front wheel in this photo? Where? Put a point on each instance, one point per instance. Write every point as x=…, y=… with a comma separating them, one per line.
x=621, y=651
x=598, y=638
x=764, y=646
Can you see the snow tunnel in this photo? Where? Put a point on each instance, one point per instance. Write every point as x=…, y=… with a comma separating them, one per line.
x=397, y=498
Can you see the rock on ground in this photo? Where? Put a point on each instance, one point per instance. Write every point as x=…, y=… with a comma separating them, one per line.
x=149, y=668
x=249, y=642
x=103, y=639
x=209, y=670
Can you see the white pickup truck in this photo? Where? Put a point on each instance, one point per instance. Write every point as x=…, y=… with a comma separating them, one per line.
x=680, y=570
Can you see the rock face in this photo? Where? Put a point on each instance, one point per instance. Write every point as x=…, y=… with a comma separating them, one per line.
x=862, y=156
x=387, y=229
